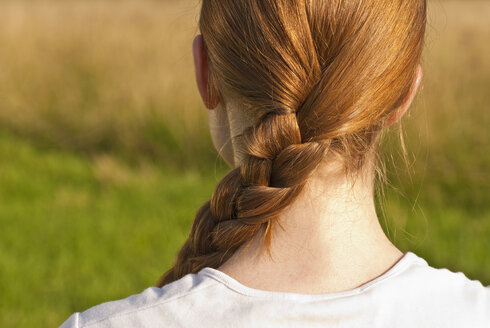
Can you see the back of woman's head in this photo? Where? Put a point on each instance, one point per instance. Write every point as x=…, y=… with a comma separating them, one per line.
x=319, y=77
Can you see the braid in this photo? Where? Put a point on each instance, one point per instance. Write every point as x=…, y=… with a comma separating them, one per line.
x=249, y=199
x=327, y=75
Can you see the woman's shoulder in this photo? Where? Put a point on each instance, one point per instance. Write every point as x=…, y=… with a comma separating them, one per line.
x=421, y=274
x=438, y=288
x=411, y=289
x=153, y=305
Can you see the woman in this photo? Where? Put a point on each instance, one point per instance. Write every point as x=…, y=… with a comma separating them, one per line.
x=299, y=93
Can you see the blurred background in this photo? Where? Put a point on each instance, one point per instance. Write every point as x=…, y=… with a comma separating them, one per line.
x=105, y=154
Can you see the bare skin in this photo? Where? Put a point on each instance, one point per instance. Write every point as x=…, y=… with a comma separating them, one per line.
x=330, y=238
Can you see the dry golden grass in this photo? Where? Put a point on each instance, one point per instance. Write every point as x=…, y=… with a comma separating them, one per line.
x=448, y=131
x=98, y=76
x=116, y=77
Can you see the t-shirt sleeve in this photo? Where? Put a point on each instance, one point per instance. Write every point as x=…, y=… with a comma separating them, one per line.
x=71, y=322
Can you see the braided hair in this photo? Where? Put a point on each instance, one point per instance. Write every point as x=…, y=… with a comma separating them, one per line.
x=320, y=77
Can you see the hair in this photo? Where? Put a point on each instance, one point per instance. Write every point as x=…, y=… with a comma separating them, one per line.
x=320, y=76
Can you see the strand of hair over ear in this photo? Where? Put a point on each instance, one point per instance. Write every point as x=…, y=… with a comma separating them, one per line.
x=250, y=198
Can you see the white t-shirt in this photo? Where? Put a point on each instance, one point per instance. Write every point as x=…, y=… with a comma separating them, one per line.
x=410, y=294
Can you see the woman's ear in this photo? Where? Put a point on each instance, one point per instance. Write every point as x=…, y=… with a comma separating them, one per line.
x=400, y=111
x=201, y=67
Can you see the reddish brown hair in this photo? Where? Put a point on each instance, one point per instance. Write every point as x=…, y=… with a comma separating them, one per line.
x=320, y=76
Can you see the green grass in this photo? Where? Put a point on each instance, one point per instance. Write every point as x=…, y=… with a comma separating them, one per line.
x=78, y=232
x=446, y=236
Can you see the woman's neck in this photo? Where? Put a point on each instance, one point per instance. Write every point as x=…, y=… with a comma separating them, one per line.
x=328, y=240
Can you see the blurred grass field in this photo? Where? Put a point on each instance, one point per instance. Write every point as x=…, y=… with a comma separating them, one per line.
x=105, y=153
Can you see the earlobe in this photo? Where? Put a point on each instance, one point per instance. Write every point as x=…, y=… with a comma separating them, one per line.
x=398, y=114
x=201, y=67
